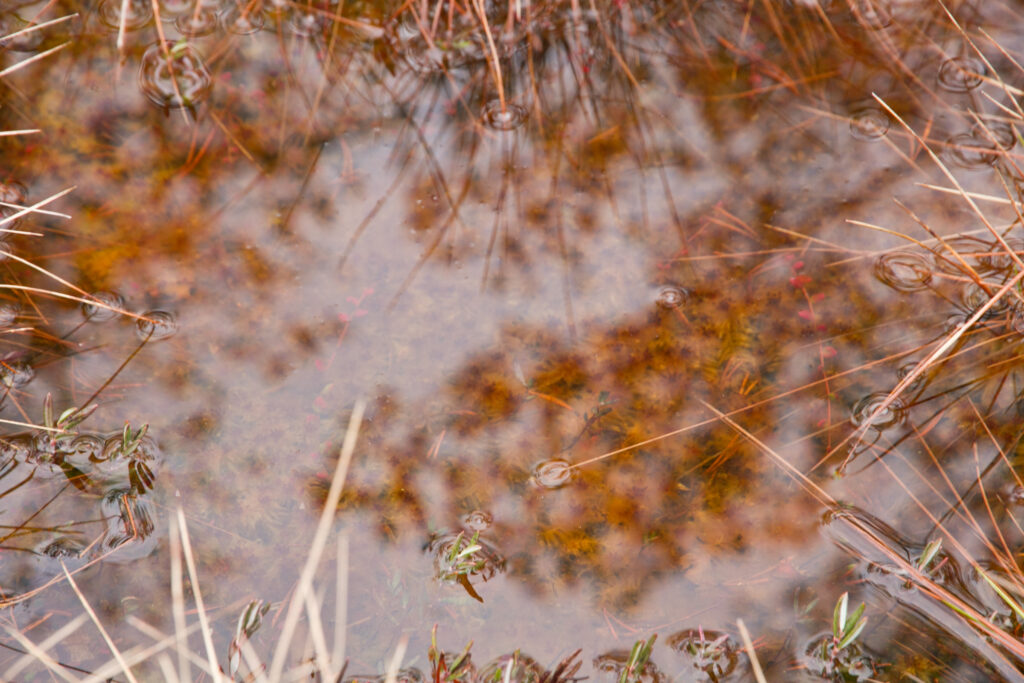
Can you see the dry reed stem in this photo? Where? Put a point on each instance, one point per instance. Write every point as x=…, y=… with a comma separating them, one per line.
x=974, y=195
x=27, y=131
x=927, y=585
x=341, y=601
x=316, y=632
x=40, y=655
x=178, y=601
x=90, y=302
x=158, y=635
x=748, y=645
x=121, y=26
x=193, y=576
x=858, y=433
x=47, y=273
x=478, y=6
x=396, y=660
x=36, y=27
x=59, y=635
x=34, y=58
x=319, y=541
x=167, y=56
x=29, y=209
x=136, y=655
x=42, y=212
x=125, y=669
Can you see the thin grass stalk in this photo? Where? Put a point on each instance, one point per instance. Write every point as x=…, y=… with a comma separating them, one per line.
x=319, y=541
x=253, y=661
x=167, y=668
x=34, y=58
x=341, y=601
x=47, y=273
x=42, y=212
x=156, y=634
x=167, y=56
x=748, y=645
x=922, y=580
x=920, y=368
x=26, y=131
x=316, y=632
x=973, y=195
x=40, y=655
x=125, y=669
x=29, y=209
x=478, y=6
x=137, y=655
x=396, y=659
x=37, y=27
x=90, y=302
x=105, y=672
x=121, y=30
x=60, y=634
x=193, y=576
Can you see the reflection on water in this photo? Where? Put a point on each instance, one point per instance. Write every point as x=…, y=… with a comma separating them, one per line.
x=539, y=239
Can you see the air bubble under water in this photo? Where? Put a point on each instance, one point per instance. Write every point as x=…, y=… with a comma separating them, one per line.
x=193, y=24
x=158, y=325
x=552, y=474
x=892, y=415
x=9, y=313
x=97, y=314
x=12, y=197
x=869, y=123
x=138, y=14
x=478, y=520
x=904, y=271
x=961, y=74
x=182, y=81
x=969, y=151
x=508, y=118
x=241, y=19
x=671, y=296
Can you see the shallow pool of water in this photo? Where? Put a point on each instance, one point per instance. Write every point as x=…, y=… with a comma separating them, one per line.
x=625, y=289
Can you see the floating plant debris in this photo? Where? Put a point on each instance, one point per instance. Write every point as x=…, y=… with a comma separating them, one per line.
x=512, y=668
x=618, y=662
x=15, y=374
x=709, y=655
x=462, y=555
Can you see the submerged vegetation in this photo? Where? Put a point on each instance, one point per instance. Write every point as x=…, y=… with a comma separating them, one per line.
x=669, y=317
